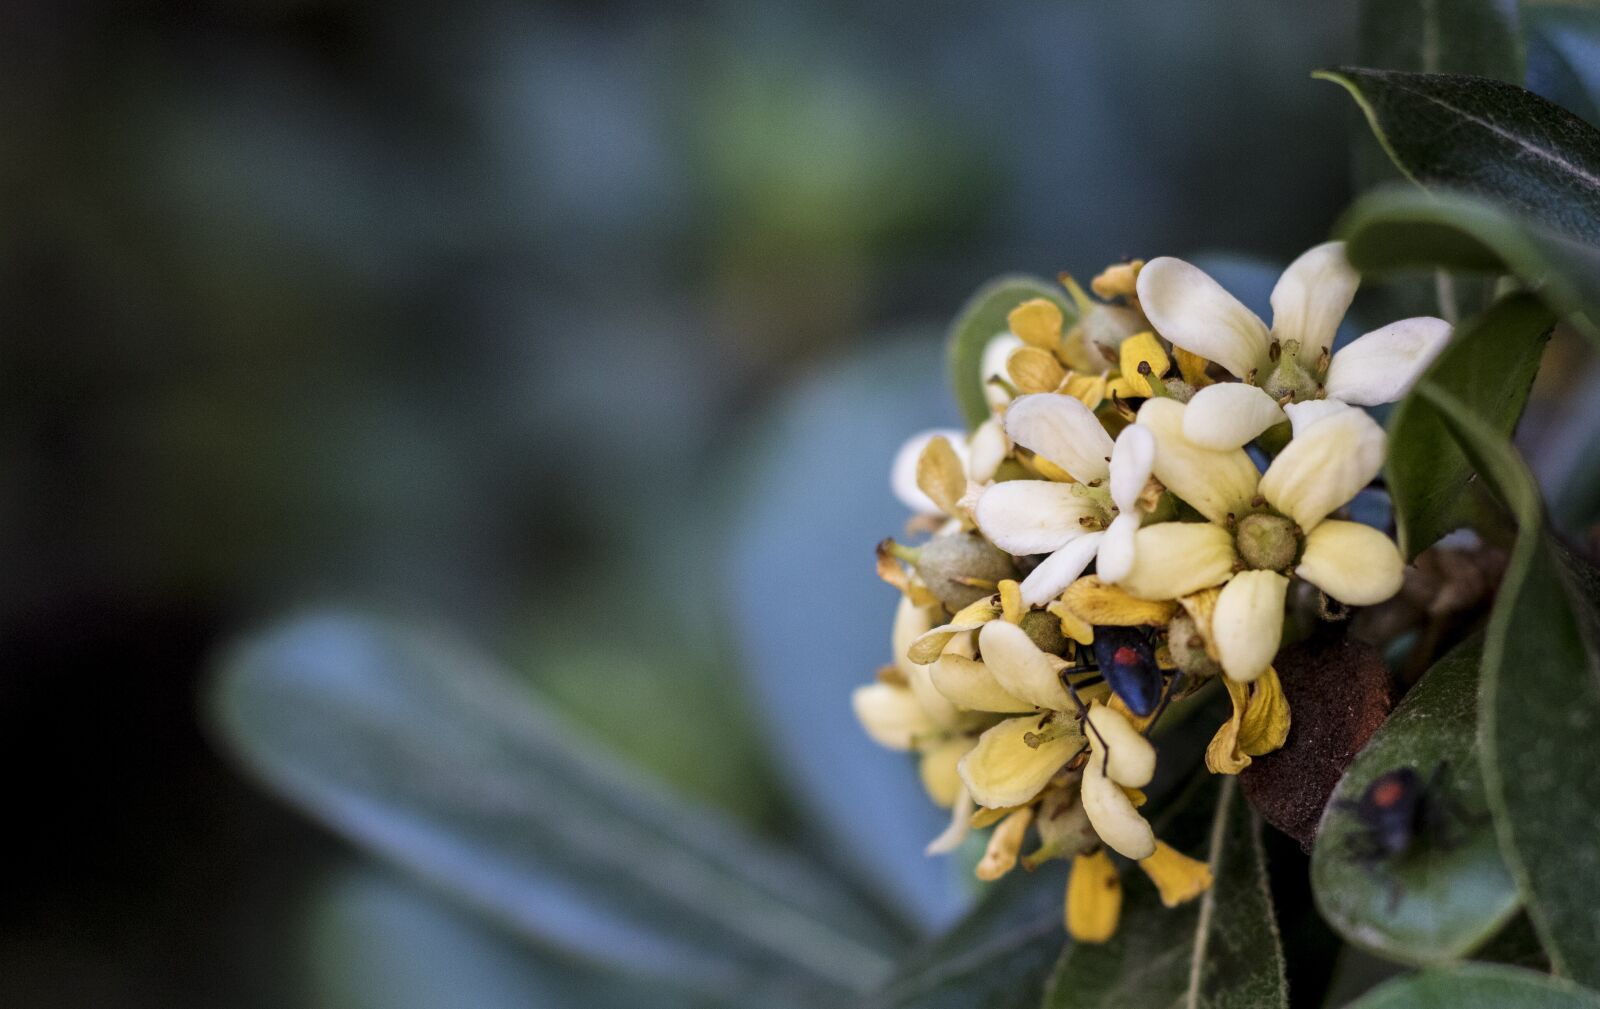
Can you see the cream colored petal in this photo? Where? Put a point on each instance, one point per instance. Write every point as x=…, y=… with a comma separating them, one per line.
x=929, y=645
x=1118, y=544
x=1064, y=431
x=1215, y=483
x=911, y=622
x=1383, y=365
x=1311, y=298
x=967, y=683
x=938, y=770
x=1173, y=559
x=890, y=715
x=1020, y=667
x=1229, y=415
x=1325, y=467
x=1127, y=757
x=993, y=365
x=1247, y=624
x=960, y=823
x=1312, y=411
x=1195, y=313
x=1003, y=770
x=1056, y=572
x=1353, y=563
x=1111, y=811
x=903, y=473
x=1133, y=459
x=987, y=451
x=1033, y=516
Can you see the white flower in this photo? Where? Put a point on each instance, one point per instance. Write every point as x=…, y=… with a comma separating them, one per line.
x=980, y=455
x=1290, y=361
x=1072, y=522
x=1261, y=529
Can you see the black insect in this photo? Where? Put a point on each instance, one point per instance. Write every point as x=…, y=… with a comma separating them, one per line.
x=1399, y=809
x=1125, y=658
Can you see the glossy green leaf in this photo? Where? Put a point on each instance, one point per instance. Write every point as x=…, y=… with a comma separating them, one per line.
x=429, y=756
x=999, y=956
x=1489, y=364
x=1483, y=136
x=1221, y=951
x=1451, y=894
x=1403, y=228
x=980, y=320
x=1539, y=709
x=1478, y=986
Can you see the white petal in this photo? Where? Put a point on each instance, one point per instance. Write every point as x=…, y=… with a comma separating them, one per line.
x=1215, y=483
x=1228, y=415
x=1060, y=569
x=988, y=450
x=1353, y=563
x=1111, y=812
x=1247, y=624
x=1311, y=298
x=960, y=822
x=1195, y=313
x=903, y=474
x=1117, y=548
x=1032, y=516
x=1173, y=559
x=1064, y=431
x=968, y=683
x=1303, y=415
x=1126, y=757
x=890, y=714
x=995, y=354
x=1325, y=467
x=1003, y=770
x=1020, y=667
x=911, y=622
x=1383, y=365
x=1133, y=458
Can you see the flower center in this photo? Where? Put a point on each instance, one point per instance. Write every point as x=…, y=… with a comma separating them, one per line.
x=1188, y=648
x=1290, y=377
x=1267, y=542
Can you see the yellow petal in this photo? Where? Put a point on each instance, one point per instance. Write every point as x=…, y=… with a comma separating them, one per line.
x=1139, y=352
x=938, y=769
x=1037, y=322
x=1090, y=390
x=1003, y=770
x=1192, y=367
x=1200, y=605
x=1223, y=755
x=1266, y=721
x=983, y=817
x=891, y=571
x=941, y=475
x=1034, y=370
x=1094, y=898
x=1072, y=625
x=1178, y=877
x=1174, y=559
x=1004, y=844
x=1011, y=608
x=1099, y=604
x=1119, y=280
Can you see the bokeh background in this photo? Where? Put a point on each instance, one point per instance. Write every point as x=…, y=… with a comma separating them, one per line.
x=586, y=330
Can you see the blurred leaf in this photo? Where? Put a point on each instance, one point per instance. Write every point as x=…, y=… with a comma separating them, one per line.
x=433, y=758
x=1539, y=708
x=379, y=941
x=1564, y=55
x=998, y=956
x=1478, y=986
x=1444, y=899
x=1443, y=36
x=1485, y=137
x=1397, y=229
x=981, y=319
x=1489, y=364
x=1221, y=950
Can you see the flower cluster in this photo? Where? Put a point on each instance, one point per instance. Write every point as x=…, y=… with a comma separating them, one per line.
x=1122, y=533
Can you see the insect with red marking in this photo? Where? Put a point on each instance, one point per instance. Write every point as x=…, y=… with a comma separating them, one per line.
x=1400, y=812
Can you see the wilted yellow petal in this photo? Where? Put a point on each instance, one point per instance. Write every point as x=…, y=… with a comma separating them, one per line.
x=983, y=816
x=941, y=476
x=1011, y=608
x=1094, y=898
x=1096, y=603
x=1266, y=720
x=1049, y=470
x=891, y=571
x=1178, y=877
x=1072, y=625
x=1192, y=367
x=1090, y=390
x=1004, y=844
x=1142, y=354
x=1034, y=370
x=1037, y=322
x=1118, y=280
x=1223, y=755
x=938, y=769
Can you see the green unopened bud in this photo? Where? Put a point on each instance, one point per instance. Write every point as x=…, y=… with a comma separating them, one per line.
x=1188, y=648
x=1267, y=542
x=961, y=569
x=1044, y=630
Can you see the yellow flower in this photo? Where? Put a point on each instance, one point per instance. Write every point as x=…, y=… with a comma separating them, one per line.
x=1094, y=898
x=1178, y=878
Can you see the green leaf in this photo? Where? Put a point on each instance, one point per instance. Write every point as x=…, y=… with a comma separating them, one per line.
x=429, y=756
x=1539, y=709
x=1486, y=137
x=998, y=956
x=1478, y=986
x=1491, y=365
x=1402, y=228
x=1443, y=36
x=1445, y=899
x=981, y=319
x=1221, y=951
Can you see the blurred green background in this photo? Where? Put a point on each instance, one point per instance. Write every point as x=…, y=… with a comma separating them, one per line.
x=587, y=330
